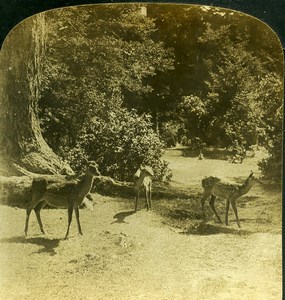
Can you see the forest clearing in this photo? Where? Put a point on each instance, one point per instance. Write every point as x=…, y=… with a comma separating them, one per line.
x=102, y=101
x=165, y=253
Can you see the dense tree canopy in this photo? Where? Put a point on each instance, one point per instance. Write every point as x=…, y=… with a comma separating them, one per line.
x=95, y=59
x=170, y=73
x=205, y=70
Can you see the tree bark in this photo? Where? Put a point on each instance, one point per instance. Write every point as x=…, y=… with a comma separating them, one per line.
x=22, y=146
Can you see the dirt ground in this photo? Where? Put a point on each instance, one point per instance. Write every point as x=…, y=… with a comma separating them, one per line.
x=166, y=253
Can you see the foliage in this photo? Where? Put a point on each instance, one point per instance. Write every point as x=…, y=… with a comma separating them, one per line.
x=192, y=111
x=271, y=166
x=220, y=60
x=169, y=132
x=233, y=76
x=240, y=97
x=223, y=88
x=271, y=101
x=94, y=58
x=120, y=141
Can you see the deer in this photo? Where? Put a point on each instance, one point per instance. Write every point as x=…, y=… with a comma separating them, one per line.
x=143, y=180
x=215, y=187
x=69, y=194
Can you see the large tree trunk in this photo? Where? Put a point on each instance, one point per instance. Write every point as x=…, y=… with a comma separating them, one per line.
x=22, y=146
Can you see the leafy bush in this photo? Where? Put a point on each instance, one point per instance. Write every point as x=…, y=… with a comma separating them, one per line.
x=271, y=166
x=272, y=104
x=169, y=133
x=120, y=141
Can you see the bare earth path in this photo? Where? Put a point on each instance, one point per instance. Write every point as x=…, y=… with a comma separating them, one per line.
x=134, y=256
x=124, y=256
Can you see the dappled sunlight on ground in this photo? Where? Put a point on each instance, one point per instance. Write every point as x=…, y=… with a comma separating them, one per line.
x=191, y=170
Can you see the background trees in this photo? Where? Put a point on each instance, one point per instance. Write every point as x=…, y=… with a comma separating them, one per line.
x=97, y=63
x=168, y=73
x=223, y=61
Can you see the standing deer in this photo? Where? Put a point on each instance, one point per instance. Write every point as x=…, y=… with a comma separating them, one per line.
x=214, y=187
x=69, y=194
x=143, y=180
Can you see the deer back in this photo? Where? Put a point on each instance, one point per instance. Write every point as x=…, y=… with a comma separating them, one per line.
x=209, y=182
x=220, y=188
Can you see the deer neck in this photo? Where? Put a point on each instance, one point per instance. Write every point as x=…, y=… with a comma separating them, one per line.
x=86, y=183
x=245, y=188
x=140, y=181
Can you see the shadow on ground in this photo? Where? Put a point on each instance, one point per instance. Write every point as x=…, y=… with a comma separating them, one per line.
x=121, y=216
x=181, y=214
x=48, y=245
x=245, y=199
x=203, y=228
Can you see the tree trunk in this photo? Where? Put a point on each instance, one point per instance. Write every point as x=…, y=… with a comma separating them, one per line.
x=22, y=146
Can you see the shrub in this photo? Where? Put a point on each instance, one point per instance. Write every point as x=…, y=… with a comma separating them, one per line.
x=271, y=166
x=120, y=141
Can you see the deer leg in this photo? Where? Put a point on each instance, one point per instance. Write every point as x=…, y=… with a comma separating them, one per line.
x=37, y=210
x=137, y=199
x=227, y=211
x=29, y=210
x=70, y=211
x=233, y=203
x=203, y=205
x=27, y=220
x=212, y=205
x=146, y=198
x=36, y=197
x=76, y=209
x=38, y=190
x=149, y=192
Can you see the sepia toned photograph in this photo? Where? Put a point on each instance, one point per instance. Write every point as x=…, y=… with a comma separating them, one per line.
x=141, y=154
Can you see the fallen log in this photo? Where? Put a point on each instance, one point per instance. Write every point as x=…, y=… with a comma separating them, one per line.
x=105, y=185
x=16, y=191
